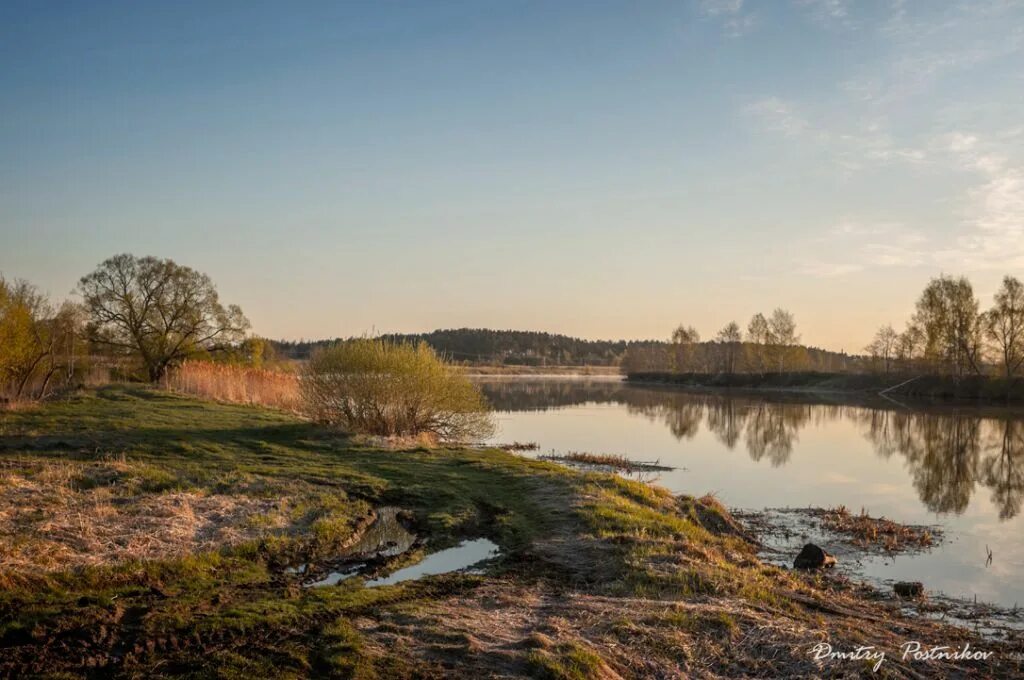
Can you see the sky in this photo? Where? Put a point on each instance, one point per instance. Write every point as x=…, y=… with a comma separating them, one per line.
x=601, y=169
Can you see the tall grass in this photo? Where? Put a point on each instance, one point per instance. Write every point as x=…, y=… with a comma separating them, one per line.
x=236, y=384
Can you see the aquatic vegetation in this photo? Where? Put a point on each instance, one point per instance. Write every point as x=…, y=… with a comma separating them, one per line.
x=867, y=530
x=608, y=460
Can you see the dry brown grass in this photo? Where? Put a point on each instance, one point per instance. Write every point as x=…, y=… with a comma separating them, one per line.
x=879, y=531
x=503, y=628
x=12, y=405
x=236, y=384
x=64, y=515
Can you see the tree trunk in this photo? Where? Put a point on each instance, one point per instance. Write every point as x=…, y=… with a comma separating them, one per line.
x=46, y=381
x=28, y=374
x=156, y=372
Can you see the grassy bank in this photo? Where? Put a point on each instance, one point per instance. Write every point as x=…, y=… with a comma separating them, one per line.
x=982, y=388
x=149, y=534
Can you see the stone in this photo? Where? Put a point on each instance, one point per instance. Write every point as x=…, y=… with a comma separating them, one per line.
x=909, y=589
x=813, y=557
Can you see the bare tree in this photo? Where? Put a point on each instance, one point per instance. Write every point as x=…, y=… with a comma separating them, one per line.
x=730, y=338
x=685, y=335
x=1005, y=324
x=910, y=344
x=783, y=335
x=685, y=340
x=947, y=313
x=883, y=347
x=157, y=310
x=759, y=334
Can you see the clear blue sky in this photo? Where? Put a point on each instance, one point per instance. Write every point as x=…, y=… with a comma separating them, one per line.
x=603, y=169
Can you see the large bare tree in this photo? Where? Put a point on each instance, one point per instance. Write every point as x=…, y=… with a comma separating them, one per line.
x=947, y=313
x=158, y=310
x=1005, y=325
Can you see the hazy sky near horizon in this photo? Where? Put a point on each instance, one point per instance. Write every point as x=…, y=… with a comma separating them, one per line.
x=602, y=169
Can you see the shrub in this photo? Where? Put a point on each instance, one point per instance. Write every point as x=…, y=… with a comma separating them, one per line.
x=41, y=347
x=392, y=389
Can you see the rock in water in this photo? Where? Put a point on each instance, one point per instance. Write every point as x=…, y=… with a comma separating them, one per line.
x=909, y=588
x=813, y=557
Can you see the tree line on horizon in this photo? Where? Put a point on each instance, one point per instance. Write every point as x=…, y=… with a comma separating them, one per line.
x=769, y=344
x=145, y=315
x=948, y=335
x=491, y=347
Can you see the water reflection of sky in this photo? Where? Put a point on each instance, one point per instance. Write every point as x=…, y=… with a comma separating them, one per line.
x=961, y=468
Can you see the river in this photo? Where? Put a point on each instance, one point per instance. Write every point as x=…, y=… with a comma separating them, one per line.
x=960, y=467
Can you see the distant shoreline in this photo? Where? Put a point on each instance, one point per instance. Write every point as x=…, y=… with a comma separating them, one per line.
x=973, y=388
x=540, y=371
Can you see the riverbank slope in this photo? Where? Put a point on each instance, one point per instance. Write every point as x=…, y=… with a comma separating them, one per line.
x=150, y=534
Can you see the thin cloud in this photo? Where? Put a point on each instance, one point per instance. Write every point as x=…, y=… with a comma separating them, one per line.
x=828, y=270
x=720, y=7
x=995, y=207
x=872, y=245
x=991, y=227
x=827, y=12
x=864, y=125
x=735, y=20
x=779, y=116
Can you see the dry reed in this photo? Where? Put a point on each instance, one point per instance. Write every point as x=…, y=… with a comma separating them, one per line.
x=867, y=530
x=236, y=384
x=612, y=460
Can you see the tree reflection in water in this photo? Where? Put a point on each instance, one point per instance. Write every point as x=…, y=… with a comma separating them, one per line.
x=947, y=452
x=1002, y=469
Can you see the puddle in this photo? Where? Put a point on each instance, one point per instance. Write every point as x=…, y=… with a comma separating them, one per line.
x=463, y=556
x=386, y=537
x=336, y=577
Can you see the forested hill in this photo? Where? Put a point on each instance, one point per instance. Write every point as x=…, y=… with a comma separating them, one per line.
x=485, y=346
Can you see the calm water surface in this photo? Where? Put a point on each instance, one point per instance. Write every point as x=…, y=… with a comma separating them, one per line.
x=960, y=467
